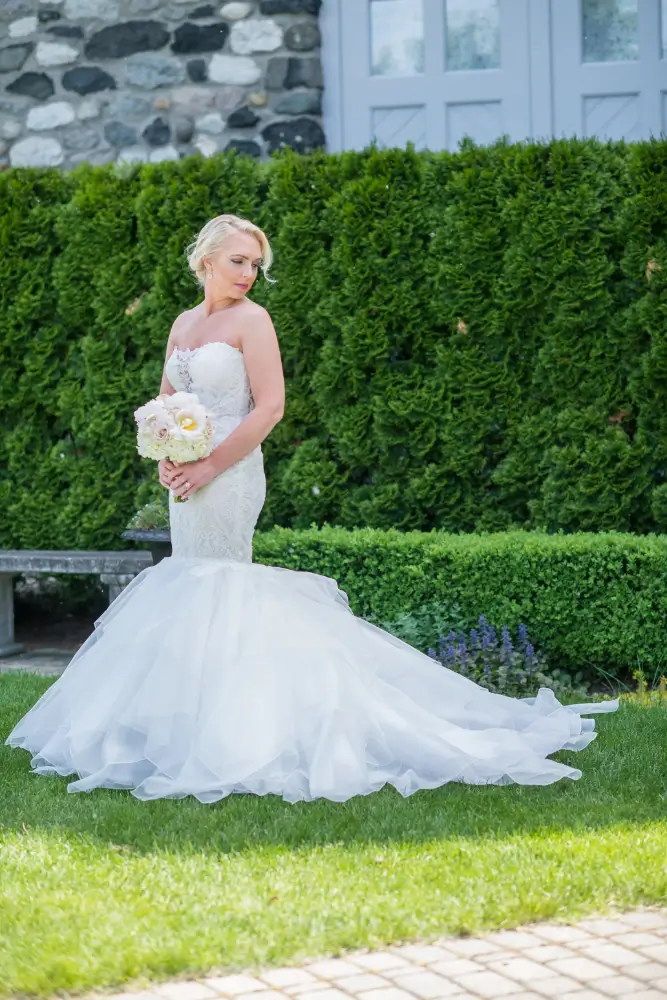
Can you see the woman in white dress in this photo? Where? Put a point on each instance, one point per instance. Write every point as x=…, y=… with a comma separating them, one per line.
x=211, y=675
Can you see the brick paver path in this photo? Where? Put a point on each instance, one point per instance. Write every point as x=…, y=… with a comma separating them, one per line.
x=623, y=956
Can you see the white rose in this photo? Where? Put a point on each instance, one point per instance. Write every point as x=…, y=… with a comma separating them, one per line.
x=160, y=428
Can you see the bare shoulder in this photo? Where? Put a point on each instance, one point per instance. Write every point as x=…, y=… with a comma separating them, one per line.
x=256, y=331
x=253, y=319
x=182, y=323
x=186, y=318
x=253, y=312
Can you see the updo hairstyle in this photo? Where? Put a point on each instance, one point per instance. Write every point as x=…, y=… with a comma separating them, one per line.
x=215, y=233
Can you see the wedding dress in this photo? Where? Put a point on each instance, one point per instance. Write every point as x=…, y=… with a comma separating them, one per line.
x=211, y=674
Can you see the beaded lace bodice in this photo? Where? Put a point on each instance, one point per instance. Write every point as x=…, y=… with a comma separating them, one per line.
x=216, y=372
x=219, y=520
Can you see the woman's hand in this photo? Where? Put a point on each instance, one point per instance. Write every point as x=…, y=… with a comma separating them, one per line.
x=188, y=477
x=165, y=470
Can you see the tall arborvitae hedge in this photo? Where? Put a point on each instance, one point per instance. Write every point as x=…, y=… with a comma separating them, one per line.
x=644, y=261
x=34, y=348
x=570, y=461
x=296, y=454
x=473, y=341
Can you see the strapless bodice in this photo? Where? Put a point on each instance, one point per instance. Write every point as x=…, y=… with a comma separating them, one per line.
x=216, y=372
x=219, y=519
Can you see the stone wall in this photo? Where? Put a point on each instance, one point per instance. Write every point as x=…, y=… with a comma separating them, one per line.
x=152, y=80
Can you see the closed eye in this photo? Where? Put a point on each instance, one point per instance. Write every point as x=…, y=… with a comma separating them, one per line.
x=256, y=263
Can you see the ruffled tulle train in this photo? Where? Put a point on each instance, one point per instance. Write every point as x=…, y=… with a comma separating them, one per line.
x=207, y=677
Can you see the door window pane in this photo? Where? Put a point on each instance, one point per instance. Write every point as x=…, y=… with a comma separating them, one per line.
x=397, y=37
x=610, y=30
x=473, y=34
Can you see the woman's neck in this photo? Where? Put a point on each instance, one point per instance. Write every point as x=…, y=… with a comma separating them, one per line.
x=213, y=304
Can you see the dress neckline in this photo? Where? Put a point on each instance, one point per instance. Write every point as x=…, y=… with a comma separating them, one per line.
x=189, y=351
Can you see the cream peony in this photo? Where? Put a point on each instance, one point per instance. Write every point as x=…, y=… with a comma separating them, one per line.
x=179, y=400
x=191, y=421
x=150, y=410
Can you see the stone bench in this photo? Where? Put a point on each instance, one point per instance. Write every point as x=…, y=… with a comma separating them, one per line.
x=115, y=569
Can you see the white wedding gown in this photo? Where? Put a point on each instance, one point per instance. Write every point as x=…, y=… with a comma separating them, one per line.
x=211, y=674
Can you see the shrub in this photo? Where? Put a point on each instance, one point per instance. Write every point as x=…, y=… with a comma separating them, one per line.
x=422, y=626
x=34, y=344
x=592, y=602
x=154, y=514
x=472, y=341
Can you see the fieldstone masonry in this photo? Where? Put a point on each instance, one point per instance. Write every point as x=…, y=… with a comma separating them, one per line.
x=151, y=80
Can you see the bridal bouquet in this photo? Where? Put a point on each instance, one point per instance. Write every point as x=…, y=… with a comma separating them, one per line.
x=176, y=427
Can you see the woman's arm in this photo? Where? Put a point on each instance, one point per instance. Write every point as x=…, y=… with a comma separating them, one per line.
x=165, y=468
x=166, y=388
x=265, y=372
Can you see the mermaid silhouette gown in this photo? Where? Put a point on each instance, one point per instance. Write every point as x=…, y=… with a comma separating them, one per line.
x=211, y=675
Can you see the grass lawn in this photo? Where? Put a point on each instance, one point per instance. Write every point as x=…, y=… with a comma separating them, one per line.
x=100, y=889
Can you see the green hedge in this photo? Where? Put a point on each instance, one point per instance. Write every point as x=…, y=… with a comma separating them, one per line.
x=589, y=600
x=472, y=342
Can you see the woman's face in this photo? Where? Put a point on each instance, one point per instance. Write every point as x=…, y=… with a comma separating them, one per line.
x=233, y=269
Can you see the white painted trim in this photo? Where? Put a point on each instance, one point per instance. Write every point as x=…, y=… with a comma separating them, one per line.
x=654, y=67
x=332, y=53
x=541, y=72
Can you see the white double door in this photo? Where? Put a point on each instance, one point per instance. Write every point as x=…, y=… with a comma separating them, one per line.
x=434, y=71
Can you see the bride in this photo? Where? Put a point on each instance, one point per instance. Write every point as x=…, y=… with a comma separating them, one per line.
x=211, y=674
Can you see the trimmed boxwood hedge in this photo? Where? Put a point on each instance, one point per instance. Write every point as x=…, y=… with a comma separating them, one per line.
x=472, y=342
x=589, y=600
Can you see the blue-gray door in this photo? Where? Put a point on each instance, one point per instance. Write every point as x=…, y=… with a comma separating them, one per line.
x=609, y=71
x=433, y=71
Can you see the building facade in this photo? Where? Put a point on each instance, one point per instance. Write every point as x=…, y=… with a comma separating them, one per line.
x=152, y=80
x=149, y=80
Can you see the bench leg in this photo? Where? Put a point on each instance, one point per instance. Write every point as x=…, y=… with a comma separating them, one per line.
x=8, y=647
x=116, y=582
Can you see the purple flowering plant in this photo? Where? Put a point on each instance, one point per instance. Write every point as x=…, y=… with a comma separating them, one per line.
x=501, y=663
x=495, y=659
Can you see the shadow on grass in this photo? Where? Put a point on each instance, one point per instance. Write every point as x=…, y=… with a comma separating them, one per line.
x=624, y=782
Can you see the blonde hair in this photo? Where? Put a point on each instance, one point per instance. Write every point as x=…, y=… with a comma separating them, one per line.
x=215, y=233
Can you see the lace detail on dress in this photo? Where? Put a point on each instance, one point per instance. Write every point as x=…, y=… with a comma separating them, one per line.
x=219, y=520
x=183, y=362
